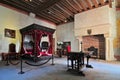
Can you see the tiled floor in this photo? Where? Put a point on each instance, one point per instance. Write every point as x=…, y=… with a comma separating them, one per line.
x=102, y=70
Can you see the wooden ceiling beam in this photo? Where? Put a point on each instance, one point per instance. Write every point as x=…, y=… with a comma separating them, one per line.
x=30, y=4
x=69, y=18
x=80, y=3
x=57, y=12
x=50, y=18
x=47, y=4
x=70, y=6
x=76, y=10
x=65, y=7
x=36, y=2
x=60, y=11
x=77, y=4
x=89, y=4
x=54, y=15
x=95, y=3
x=57, y=16
x=47, y=18
x=16, y=5
x=23, y=3
x=102, y=2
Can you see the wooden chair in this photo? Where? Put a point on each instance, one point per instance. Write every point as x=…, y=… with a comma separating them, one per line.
x=12, y=54
x=12, y=50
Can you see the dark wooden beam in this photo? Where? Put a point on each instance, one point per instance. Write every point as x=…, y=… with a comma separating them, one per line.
x=48, y=16
x=78, y=6
x=82, y=5
x=65, y=7
x=58, y=13
x=42, y=16
x=71, y=6
x=47, y=5
x=70, y=3
x=16, y=4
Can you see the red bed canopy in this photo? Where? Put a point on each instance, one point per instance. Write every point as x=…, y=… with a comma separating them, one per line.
x=37, y=31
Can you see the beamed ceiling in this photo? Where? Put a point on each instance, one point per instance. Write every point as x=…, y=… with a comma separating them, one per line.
x=55, y=11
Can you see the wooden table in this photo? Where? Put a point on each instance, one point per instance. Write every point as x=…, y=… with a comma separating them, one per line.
x=75, y=60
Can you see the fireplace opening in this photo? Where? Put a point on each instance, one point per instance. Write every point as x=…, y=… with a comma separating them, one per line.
x=94, y=51
x=96, y=43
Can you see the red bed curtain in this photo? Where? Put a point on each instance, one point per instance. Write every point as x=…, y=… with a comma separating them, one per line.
x=50, y=36
x=37, y=35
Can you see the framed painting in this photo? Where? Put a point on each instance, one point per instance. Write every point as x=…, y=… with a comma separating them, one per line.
x=9, y=33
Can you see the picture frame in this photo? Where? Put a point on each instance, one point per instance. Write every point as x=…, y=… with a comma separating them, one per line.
x=10, y=33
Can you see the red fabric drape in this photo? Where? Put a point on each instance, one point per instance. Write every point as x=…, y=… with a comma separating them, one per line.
x=50, y=36
x=37, y=35
x=38, y=40
x=22, y=50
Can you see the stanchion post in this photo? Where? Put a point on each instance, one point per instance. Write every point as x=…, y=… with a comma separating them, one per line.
x=7, y=63
x=53, y=60
x=21, y=71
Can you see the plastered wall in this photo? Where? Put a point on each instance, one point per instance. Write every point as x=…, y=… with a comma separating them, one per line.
x=65, y=33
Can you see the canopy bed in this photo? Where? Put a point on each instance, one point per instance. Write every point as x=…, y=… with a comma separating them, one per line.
x=32, y=48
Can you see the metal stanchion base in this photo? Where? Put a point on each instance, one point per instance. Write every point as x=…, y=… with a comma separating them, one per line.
x=52, y=64
x=21, y=72
x=89, y=66
x=52, y=60
x=7, y=64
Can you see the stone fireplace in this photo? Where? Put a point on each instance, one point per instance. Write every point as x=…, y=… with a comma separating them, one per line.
x=99, y=27
x=96, y=41
x=104, y=43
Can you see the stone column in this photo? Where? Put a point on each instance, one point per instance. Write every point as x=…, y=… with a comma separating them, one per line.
x=109, y=54
x=79, y=41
